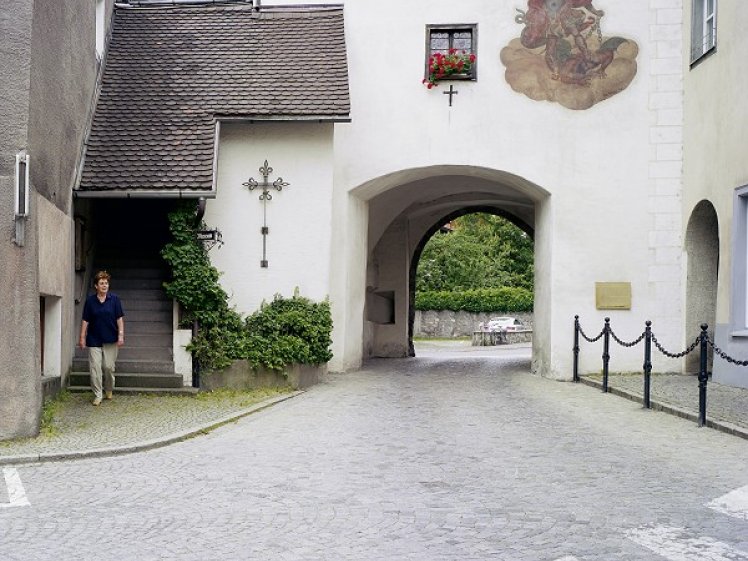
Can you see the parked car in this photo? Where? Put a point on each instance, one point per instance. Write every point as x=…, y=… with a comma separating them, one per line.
x=505, y=324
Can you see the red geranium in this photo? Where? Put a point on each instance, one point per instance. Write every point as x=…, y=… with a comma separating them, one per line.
x=440, y=66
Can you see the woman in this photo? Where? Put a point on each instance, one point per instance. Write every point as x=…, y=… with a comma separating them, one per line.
x=103, y=332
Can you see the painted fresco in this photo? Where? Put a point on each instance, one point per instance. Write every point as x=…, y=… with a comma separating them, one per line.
x=563, y=56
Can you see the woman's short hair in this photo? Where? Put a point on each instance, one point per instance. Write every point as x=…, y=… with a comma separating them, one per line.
x=102, y=275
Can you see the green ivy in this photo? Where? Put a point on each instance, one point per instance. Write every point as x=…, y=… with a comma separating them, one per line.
x=285, y=331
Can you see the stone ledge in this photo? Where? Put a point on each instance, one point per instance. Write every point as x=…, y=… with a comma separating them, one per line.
x=242, y=376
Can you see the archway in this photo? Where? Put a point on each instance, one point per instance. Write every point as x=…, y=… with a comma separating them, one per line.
x=405, y=208
x=416, y=258
x=702, y=251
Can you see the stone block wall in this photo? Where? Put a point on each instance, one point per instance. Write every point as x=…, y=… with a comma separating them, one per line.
x=447, y=324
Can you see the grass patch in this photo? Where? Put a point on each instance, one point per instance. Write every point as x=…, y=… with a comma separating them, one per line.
x=50, y=410
x=242, y=397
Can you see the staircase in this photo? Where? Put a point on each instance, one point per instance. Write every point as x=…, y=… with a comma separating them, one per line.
x=146, y=362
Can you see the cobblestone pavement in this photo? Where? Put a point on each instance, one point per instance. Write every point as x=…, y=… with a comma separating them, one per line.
x=432, y=459
x=726, y=405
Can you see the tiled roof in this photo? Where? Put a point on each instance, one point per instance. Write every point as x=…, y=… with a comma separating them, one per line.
x=172, y=71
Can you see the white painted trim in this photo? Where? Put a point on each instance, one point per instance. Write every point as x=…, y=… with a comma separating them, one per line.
x=16, y=492
x=677, y=544
x=734, y=503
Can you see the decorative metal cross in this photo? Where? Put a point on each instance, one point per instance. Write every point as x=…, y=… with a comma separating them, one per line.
x=452, y=91
x=265, y=196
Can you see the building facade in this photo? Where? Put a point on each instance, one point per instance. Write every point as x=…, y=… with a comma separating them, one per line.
x=608, y=130
x=49, y=62
x=715, y=178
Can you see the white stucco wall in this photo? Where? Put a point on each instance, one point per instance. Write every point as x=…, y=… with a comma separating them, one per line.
x=607, y=187
x=299, y=242
x=715, y=137
x=605, y=182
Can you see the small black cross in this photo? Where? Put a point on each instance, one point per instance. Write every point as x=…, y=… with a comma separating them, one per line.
x=450, y=93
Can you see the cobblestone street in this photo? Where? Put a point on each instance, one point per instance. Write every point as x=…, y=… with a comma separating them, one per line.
x=435, y=458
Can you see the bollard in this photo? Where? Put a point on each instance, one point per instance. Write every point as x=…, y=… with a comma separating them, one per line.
x=703, y=374
x=647, y=363
x=606, y=354
x=576, y=349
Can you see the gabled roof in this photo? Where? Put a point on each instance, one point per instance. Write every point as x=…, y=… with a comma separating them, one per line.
x=173, y=71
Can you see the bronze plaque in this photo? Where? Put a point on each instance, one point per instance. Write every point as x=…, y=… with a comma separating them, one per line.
x=613, y=295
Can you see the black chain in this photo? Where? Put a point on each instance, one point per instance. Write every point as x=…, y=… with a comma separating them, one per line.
x=722, y=354
x=624, y=343
x=583, y=334
x=675, y=355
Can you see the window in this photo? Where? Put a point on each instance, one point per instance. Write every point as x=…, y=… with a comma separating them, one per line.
x=440, y=39
x=703, y=28
x=740, y=262
x=101, y=23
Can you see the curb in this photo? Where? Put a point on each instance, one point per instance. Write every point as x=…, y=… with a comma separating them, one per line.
x=722, y=426
x=146, y=444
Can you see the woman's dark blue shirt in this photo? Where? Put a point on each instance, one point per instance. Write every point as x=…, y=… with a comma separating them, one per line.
x=102, y=319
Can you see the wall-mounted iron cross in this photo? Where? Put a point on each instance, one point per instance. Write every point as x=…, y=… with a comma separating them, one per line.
x=265, y=196
x=450, y=92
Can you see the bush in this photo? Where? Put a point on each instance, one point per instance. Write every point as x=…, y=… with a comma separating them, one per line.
x=286, y=331
x=507, y=299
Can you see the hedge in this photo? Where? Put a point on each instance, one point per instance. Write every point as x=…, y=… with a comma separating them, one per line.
x=507, y=299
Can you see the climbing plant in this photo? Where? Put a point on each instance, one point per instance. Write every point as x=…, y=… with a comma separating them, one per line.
x=285, y=331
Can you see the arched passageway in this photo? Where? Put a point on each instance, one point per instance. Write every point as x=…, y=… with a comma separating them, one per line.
x=404, y=210
x=702, y=250
x=417, y=253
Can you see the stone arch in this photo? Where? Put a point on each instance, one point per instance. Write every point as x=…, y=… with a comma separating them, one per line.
x=416, y=257
x=403, y=207
x=702, y=256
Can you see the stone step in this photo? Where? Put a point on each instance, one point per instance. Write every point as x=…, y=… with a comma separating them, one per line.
x=149, y=294
x=137, y=272
x=149, y=305
x=152, y=316
x=138, y=366
x=184, y=390
x=134, y=283
x=133, y=327
x=164, y=340
x=132, y=380
x=131, y=352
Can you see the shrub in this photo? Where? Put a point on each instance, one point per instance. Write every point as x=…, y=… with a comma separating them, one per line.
x=507, y=299
x=286, y=331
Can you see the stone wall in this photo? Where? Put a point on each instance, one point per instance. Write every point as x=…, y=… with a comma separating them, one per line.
x=446, y=324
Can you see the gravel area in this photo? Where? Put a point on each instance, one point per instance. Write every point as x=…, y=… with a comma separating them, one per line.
x=131, y=419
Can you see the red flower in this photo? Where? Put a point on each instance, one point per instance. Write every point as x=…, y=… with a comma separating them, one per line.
x=441, y=66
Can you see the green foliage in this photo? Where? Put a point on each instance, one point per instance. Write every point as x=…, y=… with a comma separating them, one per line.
x=483, y=251
x=484, y=265
x=505, y=299
x=286, y=331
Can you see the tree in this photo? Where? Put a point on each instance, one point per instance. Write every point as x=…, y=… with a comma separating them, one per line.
x=482, y=251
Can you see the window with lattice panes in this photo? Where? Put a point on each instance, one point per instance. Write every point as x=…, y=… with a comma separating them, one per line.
x=703, y=28
x=443, y=39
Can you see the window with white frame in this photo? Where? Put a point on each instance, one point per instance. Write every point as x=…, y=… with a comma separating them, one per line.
x=739, y=306
x=460, y=39
x=100, y=28
x=703, y=28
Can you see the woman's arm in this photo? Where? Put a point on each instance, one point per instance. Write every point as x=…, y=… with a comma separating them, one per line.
x=120, y=331
x=84, y=330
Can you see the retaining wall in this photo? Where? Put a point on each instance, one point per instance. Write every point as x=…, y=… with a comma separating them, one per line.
x=447, y=324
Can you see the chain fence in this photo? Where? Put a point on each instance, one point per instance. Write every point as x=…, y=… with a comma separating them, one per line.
x=702, y=341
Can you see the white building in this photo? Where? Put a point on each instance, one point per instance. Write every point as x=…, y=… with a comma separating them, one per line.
x=589, y=123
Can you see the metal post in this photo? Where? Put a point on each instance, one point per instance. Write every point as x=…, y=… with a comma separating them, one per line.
x=703, y=374
x=647, y=363
x=606, y=353
x=195, y=361
x=576, y=349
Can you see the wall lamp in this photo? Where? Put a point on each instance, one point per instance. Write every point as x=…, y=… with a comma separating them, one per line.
x=22, y=203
